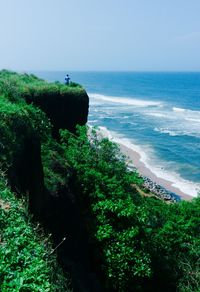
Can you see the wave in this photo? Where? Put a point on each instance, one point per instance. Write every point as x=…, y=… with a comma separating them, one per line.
x=179, y=122
x=125, y=101
x=174, y=133
x=178, y=109
x=174, y=113
x=157, y=115
x=192, y=120
x=166, y=131
x=184, y=110
x=157, y=168
x=92, y=121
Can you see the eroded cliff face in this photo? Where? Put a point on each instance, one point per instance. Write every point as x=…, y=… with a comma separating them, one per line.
x=26, y=172
x=20, y=152
x=65, y=107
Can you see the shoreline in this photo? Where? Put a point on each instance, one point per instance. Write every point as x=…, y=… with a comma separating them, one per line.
x=162, y=187
x=152, y=178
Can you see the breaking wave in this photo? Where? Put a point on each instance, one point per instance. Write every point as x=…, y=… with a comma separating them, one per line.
x=184, y=110
x=174, y=133
x=125, y=101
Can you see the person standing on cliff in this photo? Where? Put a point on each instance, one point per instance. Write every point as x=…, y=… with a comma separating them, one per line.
x=67, y=79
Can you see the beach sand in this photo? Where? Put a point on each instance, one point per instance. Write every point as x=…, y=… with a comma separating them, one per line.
x=144, y=171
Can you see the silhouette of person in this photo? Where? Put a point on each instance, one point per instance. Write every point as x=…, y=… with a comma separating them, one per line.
x=67, y=79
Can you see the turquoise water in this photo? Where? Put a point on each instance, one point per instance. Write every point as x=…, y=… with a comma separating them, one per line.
x=157, y=114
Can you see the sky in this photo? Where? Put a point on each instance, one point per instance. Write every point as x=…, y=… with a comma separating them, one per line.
x=100, y=35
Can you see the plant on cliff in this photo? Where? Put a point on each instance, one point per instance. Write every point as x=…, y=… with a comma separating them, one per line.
x=142, y=244
x=55, y=166
x=19, y=121
x=65, y=106
x=111, y=204
x=26, y=259
x=24, y=128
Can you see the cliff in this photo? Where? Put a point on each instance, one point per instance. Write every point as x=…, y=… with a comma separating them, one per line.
x=65, y=106
x=24, y=127
x=32, y=112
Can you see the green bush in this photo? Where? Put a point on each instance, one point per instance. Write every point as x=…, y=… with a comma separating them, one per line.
x=26, y=259
x=111, y=204
x=18, y=121
x=55, y=166
x=142, y=244
x=26, y=263
x=18, y=87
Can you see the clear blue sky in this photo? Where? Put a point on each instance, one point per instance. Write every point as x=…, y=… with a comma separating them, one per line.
x=100, y=35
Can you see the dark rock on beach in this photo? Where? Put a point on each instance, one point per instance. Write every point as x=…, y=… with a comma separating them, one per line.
x=159, y=191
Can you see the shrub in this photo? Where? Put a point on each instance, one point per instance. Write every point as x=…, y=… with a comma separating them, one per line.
x=26, y=259
x=110, y=202
x=142, y=244
x=18, y=121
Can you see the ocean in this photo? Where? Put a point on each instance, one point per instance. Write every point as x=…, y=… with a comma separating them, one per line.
x=155, y=114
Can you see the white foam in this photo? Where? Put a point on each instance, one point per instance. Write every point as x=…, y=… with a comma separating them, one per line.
x=160, y=171
x=183, y=110
x=192, y=120
x=178, y=109
x=179, y=122
x=106, y=133
x=173, y=121
x=93, y=121
x=166, y=131
x=123, y=100
x=178, y=132
x=158, y=115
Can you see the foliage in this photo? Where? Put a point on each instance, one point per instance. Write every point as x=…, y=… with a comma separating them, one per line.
x=17, y=122
x=20, y=125
x=19, y=87
x=55, y=166
x=173, y=239
x=26, y=262
x=112, y=209
x=141, y=243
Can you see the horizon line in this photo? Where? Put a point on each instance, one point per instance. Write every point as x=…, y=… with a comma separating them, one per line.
x=116, y=71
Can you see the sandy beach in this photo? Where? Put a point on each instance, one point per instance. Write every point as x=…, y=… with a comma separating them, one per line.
x=144, y=171
x=136, y=159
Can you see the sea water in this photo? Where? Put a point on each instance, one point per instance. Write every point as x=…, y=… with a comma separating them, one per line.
x=155, y=114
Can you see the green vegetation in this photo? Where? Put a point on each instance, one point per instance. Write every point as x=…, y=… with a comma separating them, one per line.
x=65, y=106
x=23, y=87
x=55, y=166
x=17, y=86
x=26, y=259
x=142, y=244
x=18, y=121
x=137, y=243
